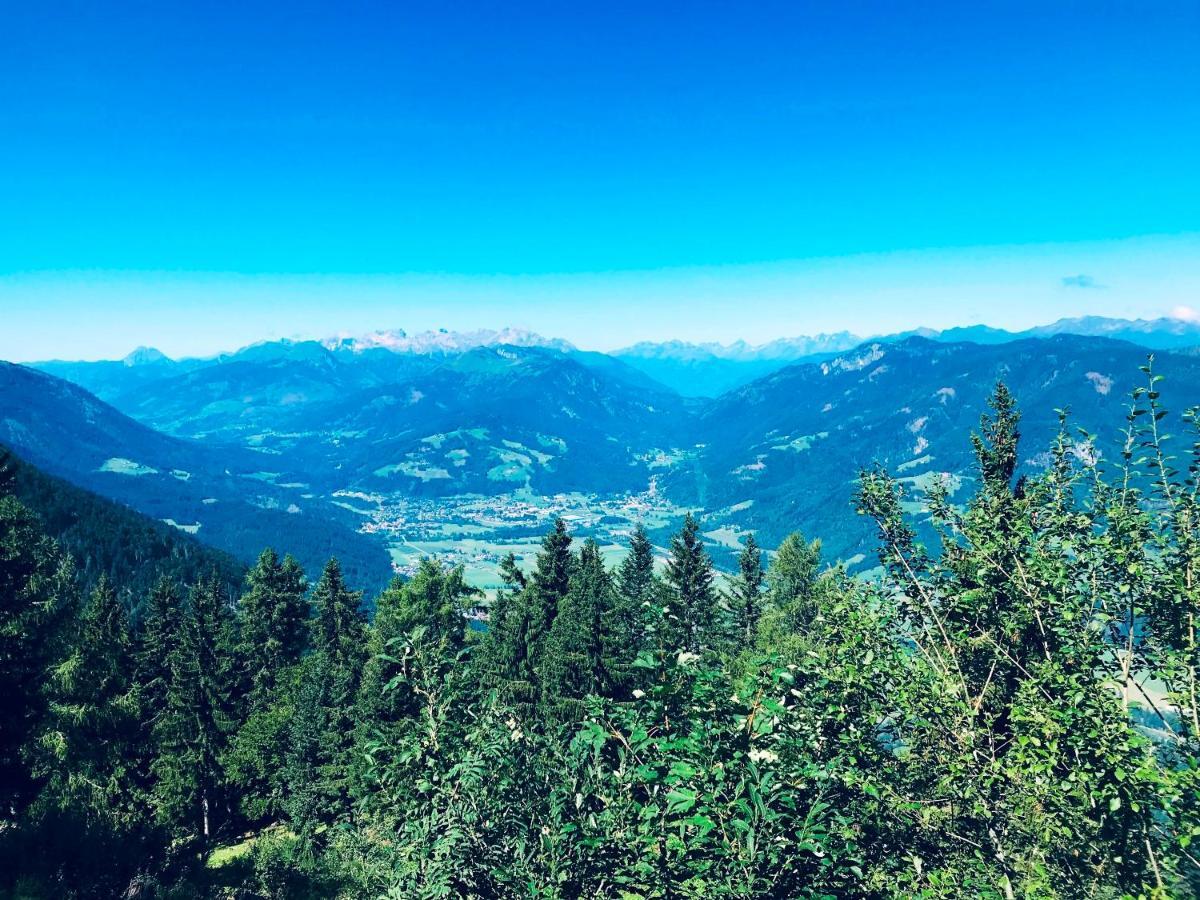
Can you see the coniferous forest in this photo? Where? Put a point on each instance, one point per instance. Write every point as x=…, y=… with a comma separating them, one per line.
x=1009, y=709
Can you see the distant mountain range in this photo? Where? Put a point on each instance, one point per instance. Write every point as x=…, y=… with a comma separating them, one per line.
x=709, y=370
x=785, y=349
x=273, y=443
x=689, y=369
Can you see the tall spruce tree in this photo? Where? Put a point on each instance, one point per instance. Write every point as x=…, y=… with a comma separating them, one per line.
x=157, y=643
x=511, y=574
x=273, y=634
x=94, y=739
x=37, y=601
x=339, y=626
x=746, y=594
x=503, y=661
x=156, y=649
x=306, y=797
x=274, y=619
x=638, y=587
x=513, y=582
x=515, y=647
x=549, y=586
x=321, y=740
x=191, y=734
x=575, y=663
x=696, y=615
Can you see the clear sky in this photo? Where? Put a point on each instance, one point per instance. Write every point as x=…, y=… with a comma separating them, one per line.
x=200, y=175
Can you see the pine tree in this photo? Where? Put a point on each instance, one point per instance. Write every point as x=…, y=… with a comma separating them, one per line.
x=574, y=662
x=513, y=583
x=503, y=658
x=996, y=443
x=306, y=798
x=157, y=644
x=340, y=627
x=792, y=580
x=493, y=662
x=635, y=574
x=322, y=732
x=511, y=574
x=274, y=616
x=434, y=602
x=639, y=588
x=274, y=630
x=191, y=734
x=746, y=595
x=94, y=737
x=995, y=521
x=696, y=616
x=549, y=586
x=37, y=600
x=522, y=618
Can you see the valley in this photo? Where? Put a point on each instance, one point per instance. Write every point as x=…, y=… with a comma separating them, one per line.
x=477, y=531
x=389, y=448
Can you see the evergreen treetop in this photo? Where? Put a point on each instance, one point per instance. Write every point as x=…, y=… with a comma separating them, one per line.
x=696, y=612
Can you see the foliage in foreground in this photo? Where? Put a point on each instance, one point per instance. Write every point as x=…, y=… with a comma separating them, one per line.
x=1010, y=712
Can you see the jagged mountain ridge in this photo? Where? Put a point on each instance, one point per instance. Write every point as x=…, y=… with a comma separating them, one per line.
x=691, y=369
x=443, y=341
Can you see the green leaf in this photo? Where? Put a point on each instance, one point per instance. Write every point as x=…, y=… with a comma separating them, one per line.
x=680, y=800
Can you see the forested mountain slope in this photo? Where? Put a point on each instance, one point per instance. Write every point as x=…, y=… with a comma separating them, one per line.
x=108, y=539
x=791, y=446
x=495, y=419
x=343, y=413
x=219, y=493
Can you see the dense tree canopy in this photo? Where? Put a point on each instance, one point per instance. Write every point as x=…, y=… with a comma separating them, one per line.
x=1008, y=711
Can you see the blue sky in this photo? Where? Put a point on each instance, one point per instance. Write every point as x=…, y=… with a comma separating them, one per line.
x=196, y=176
